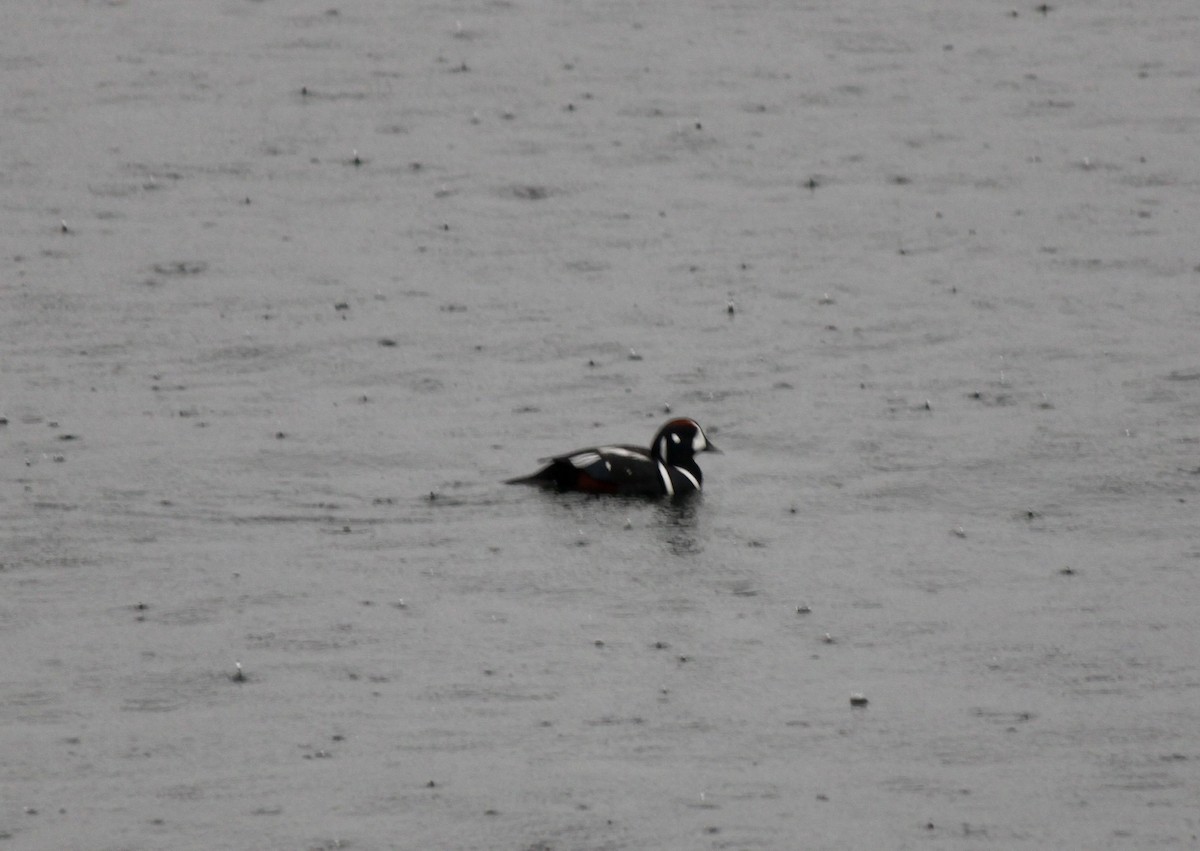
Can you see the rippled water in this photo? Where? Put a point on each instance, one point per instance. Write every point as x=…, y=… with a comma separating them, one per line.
x=286, y=299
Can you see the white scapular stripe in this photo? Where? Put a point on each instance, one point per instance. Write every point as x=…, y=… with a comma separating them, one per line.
x=623, y=452
x=584, y=459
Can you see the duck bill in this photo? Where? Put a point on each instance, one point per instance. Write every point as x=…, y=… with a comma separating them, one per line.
x=712, y=447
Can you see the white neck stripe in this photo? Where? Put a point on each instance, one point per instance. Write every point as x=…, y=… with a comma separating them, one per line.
x=666, y=477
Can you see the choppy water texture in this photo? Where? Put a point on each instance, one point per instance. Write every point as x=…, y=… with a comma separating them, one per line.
x=271, y=276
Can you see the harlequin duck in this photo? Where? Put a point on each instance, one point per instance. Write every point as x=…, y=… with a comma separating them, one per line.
x=667, y=468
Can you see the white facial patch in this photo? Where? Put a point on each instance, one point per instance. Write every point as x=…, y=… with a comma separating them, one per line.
x=699, y=444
